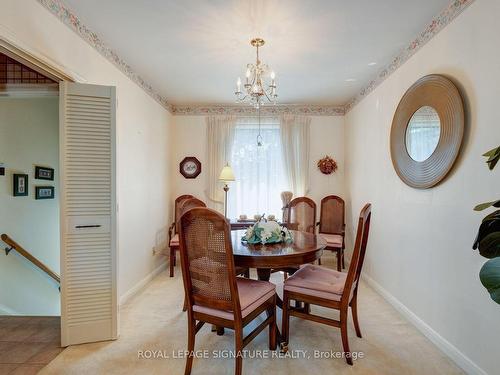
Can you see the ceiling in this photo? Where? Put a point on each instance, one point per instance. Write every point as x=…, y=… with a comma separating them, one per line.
x=192, y=51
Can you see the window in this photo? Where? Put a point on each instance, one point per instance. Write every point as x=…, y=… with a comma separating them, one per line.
x=259, y=171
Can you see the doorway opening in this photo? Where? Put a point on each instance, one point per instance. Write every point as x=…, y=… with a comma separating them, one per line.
x=81, y=181
x=30, y=306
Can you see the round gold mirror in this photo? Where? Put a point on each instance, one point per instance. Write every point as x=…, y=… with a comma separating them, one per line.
x=427, y=131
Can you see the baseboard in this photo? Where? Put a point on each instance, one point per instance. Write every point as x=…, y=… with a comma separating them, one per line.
x=4, y=310
x=141, y=284
x=464, y=362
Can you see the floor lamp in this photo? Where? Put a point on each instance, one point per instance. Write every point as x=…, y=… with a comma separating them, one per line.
x=226, y=175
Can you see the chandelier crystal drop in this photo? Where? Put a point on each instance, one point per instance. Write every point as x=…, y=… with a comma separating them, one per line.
x=255, y=91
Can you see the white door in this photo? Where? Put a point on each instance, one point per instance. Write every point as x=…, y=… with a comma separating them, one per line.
x=89, y=309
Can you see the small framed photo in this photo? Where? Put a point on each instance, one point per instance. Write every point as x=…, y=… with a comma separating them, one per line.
x=20, y=185
x=43, y=173
x=44, y=192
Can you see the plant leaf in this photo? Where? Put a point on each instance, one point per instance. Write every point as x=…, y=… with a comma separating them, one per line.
x=489, y=246
x=495, y=215
x=483, y=206
x=493, y=157
x=493, y=163
x=490, y=224
x=491, y=152
x=490, y=278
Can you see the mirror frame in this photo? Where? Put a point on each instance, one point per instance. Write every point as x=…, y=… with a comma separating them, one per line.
x=441, y=94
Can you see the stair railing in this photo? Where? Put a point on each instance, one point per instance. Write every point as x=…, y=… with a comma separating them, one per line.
x=13, y=245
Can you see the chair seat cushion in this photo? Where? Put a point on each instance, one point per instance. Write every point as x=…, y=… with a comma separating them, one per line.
x=317, y=281
x=253, y=293
x=174, y=241
x=332, y=240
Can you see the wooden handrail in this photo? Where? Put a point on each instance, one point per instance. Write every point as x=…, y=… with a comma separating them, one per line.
x=14, y=245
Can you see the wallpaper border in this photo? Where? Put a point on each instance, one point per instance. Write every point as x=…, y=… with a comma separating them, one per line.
x=239, y=110
x=66, y=16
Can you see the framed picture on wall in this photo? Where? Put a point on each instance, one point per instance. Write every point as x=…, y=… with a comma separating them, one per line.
x=44, y=173
x=190, y=167
x=44, y=192
x=20, y=185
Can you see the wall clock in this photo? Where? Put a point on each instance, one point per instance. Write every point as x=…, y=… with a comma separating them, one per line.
x=190, y=167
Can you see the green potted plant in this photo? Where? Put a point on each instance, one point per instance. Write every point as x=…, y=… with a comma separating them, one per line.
x=488, y=238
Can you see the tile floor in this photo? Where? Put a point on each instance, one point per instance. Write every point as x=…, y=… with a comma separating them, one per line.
x=27, y=344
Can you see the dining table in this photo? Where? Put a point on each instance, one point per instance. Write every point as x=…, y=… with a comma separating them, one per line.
x=304, y=248
x=267, y=258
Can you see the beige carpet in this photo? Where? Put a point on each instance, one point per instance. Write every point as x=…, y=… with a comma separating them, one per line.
x=154, y=321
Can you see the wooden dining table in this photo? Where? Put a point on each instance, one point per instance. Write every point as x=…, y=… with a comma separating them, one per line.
x=305, y=248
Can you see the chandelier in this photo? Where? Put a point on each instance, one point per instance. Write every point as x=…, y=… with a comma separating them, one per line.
x=254, y=91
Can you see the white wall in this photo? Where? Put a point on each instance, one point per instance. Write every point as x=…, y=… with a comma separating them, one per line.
x=29, y=136
x=190, y=139
x=420, y=242
x=327, y=137
x=143, y=135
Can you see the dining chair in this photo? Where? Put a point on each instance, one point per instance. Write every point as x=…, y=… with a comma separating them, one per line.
x=214, y=294
x=317, y=285
x=332, y=227
x=189, y=204
x=302, y=214
x=286, y=197
x=183, y=206
x=173, y=231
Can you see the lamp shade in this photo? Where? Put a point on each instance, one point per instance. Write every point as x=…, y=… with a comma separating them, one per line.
x=226, y=174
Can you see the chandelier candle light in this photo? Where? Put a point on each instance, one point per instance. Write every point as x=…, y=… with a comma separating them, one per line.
x=254, y=90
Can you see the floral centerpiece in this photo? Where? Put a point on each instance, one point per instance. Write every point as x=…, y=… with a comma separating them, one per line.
x=267, y=232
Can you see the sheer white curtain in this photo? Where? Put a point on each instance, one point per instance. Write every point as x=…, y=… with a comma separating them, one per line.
x=294, y=132
x=220, y=131
x=259, y=171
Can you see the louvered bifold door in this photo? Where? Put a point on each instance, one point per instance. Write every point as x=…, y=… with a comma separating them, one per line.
x=88, y=213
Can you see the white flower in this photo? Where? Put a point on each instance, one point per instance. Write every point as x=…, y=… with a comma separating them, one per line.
x=269, y=226
x=263, y=231
x=249, y=232
x=264, y=236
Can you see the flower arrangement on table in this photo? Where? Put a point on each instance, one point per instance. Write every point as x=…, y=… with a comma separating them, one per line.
x=267, y=232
